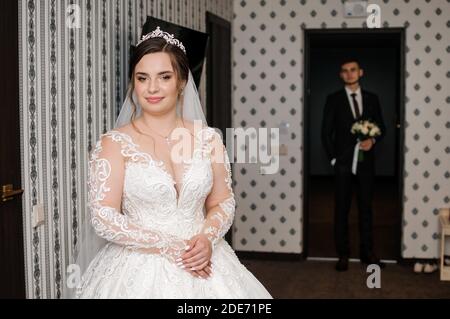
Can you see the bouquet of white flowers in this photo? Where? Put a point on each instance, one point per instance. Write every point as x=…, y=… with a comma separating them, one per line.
x=364, y=130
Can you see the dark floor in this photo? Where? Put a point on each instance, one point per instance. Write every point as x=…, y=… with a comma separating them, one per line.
x=386, y=219
x=318, y=279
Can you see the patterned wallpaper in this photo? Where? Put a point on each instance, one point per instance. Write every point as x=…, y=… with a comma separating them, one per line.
x=268, y=83
x=73, y=82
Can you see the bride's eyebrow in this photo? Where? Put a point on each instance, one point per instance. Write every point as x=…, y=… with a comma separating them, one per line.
x=160, y=73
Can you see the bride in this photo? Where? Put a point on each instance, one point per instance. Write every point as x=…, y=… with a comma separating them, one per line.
x=157, y=218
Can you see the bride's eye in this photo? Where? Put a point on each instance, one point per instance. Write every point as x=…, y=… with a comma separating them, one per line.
x=140, y=79
x=166, y=77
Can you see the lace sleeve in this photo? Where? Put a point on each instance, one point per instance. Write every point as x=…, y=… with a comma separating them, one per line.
x=105, y=184
x=220, y=203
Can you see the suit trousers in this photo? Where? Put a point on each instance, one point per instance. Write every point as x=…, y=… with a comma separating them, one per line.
x=344, y=182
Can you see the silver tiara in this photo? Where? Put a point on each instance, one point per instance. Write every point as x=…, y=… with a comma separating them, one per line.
x=158, y=33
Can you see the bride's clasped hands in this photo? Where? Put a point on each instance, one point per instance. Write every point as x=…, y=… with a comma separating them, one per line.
x=197, y=257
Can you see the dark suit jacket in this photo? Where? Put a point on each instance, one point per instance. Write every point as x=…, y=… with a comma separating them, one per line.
x=337, y=122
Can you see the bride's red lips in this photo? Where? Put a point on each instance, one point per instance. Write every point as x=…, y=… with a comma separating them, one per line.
x=154, y=99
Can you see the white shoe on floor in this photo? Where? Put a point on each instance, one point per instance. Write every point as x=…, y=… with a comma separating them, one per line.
x=418, y=267
x=447, y=261
x=430, y=268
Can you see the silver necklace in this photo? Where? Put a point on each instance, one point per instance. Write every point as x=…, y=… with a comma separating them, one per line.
x=166, y=138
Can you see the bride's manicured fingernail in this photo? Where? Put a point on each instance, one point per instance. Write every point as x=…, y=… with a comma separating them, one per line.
x=179, y=264
x=179, y=259
x=182, y=266
x=187, y=247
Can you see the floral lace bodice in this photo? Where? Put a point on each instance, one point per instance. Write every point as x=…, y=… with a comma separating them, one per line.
x=134, y=202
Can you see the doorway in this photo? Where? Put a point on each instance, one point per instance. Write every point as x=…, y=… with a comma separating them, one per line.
x=12, y=267
x=218, y=79
x=381, y=53
x=218, y=66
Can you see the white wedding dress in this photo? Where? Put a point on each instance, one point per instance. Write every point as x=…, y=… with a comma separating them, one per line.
x=136, y=207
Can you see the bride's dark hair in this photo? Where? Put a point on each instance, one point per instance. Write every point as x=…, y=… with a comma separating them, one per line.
x=178, y=58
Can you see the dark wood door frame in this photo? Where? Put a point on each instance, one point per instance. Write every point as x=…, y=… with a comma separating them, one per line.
x=307, y=35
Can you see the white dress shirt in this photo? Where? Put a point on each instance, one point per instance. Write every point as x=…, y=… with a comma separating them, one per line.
x=358, y=99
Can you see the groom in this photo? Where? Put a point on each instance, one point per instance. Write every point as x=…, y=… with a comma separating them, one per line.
x=342, y=109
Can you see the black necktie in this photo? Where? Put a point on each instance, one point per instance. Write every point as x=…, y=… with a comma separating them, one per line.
x=356, y=106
